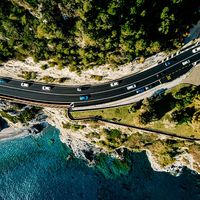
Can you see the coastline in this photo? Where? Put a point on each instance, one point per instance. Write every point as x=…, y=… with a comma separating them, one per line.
x=13, y=133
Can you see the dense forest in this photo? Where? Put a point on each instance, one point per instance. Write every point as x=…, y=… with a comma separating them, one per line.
x=83, y=33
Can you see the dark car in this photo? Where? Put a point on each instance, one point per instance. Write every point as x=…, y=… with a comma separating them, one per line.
x=140, y=90
x=168, y=63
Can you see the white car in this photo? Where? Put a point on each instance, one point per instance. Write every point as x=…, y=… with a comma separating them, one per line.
x=81, y=88
x=78, y=89
x=131, y=87
x=46, y=88
x=195, y=63
x=24, y=84
x=113, y=84
x=185, y=62
x=196, y=50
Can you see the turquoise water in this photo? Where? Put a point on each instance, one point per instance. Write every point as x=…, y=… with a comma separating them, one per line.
x=37, y=168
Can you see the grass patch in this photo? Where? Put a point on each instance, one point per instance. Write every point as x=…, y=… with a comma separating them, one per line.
x=74, y=127
x=173, y=112
x=121, y=114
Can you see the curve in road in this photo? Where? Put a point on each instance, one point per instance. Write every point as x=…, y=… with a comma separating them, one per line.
x=164, y=72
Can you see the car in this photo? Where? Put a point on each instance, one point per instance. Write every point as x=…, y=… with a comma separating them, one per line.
x=167, y=63
x=25, y=84
x=84, y=98
x=130, y=87
x=195, y=63
x=81, y=88
x=196, y=50
x=185, y=62
x=148, y=87
x=113, y=84
x=177, y=53
x=46, y=88
x=140, y=90
x=3, y=81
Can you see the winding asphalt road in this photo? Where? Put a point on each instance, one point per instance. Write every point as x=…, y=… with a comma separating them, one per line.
x=103, y=93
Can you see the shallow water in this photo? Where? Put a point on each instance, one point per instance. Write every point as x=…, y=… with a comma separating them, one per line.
x=37, y=168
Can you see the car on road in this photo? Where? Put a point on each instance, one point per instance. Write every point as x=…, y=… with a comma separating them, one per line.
x=185, y=62
x=84, y=98
x=195, y=63
x=140, y=90
x=168, y=63
x=196, y=50
x=25, y=84
x=113, y=84
x=148, y=87
x=130, y=87
x=46, y=88
x=81, y=88
x=3, y=81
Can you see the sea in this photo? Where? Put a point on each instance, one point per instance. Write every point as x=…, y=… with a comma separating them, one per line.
x=41, y=167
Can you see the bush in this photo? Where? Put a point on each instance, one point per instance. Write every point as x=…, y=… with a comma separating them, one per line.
x=43, y=67
x=92, y=135
x=29, y=75
x=135, y=106
x=74, y=127
x=48, y=79
x=62, y=80
x=97, y=77
x=184, y=115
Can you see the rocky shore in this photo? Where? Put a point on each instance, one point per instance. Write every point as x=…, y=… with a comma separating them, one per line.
x=82, y=146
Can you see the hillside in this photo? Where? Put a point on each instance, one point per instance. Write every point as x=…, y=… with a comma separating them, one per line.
x=82, y=34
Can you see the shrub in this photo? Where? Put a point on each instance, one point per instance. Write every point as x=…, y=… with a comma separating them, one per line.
x=97, y=77
x=48, y=79
x=43, y=67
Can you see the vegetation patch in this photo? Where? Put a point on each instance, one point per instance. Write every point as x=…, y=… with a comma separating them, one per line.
x=73, y=126
x=112, y=167
x=176, y=111
x=27, y=75
x=24, y=116
x=82, y=34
